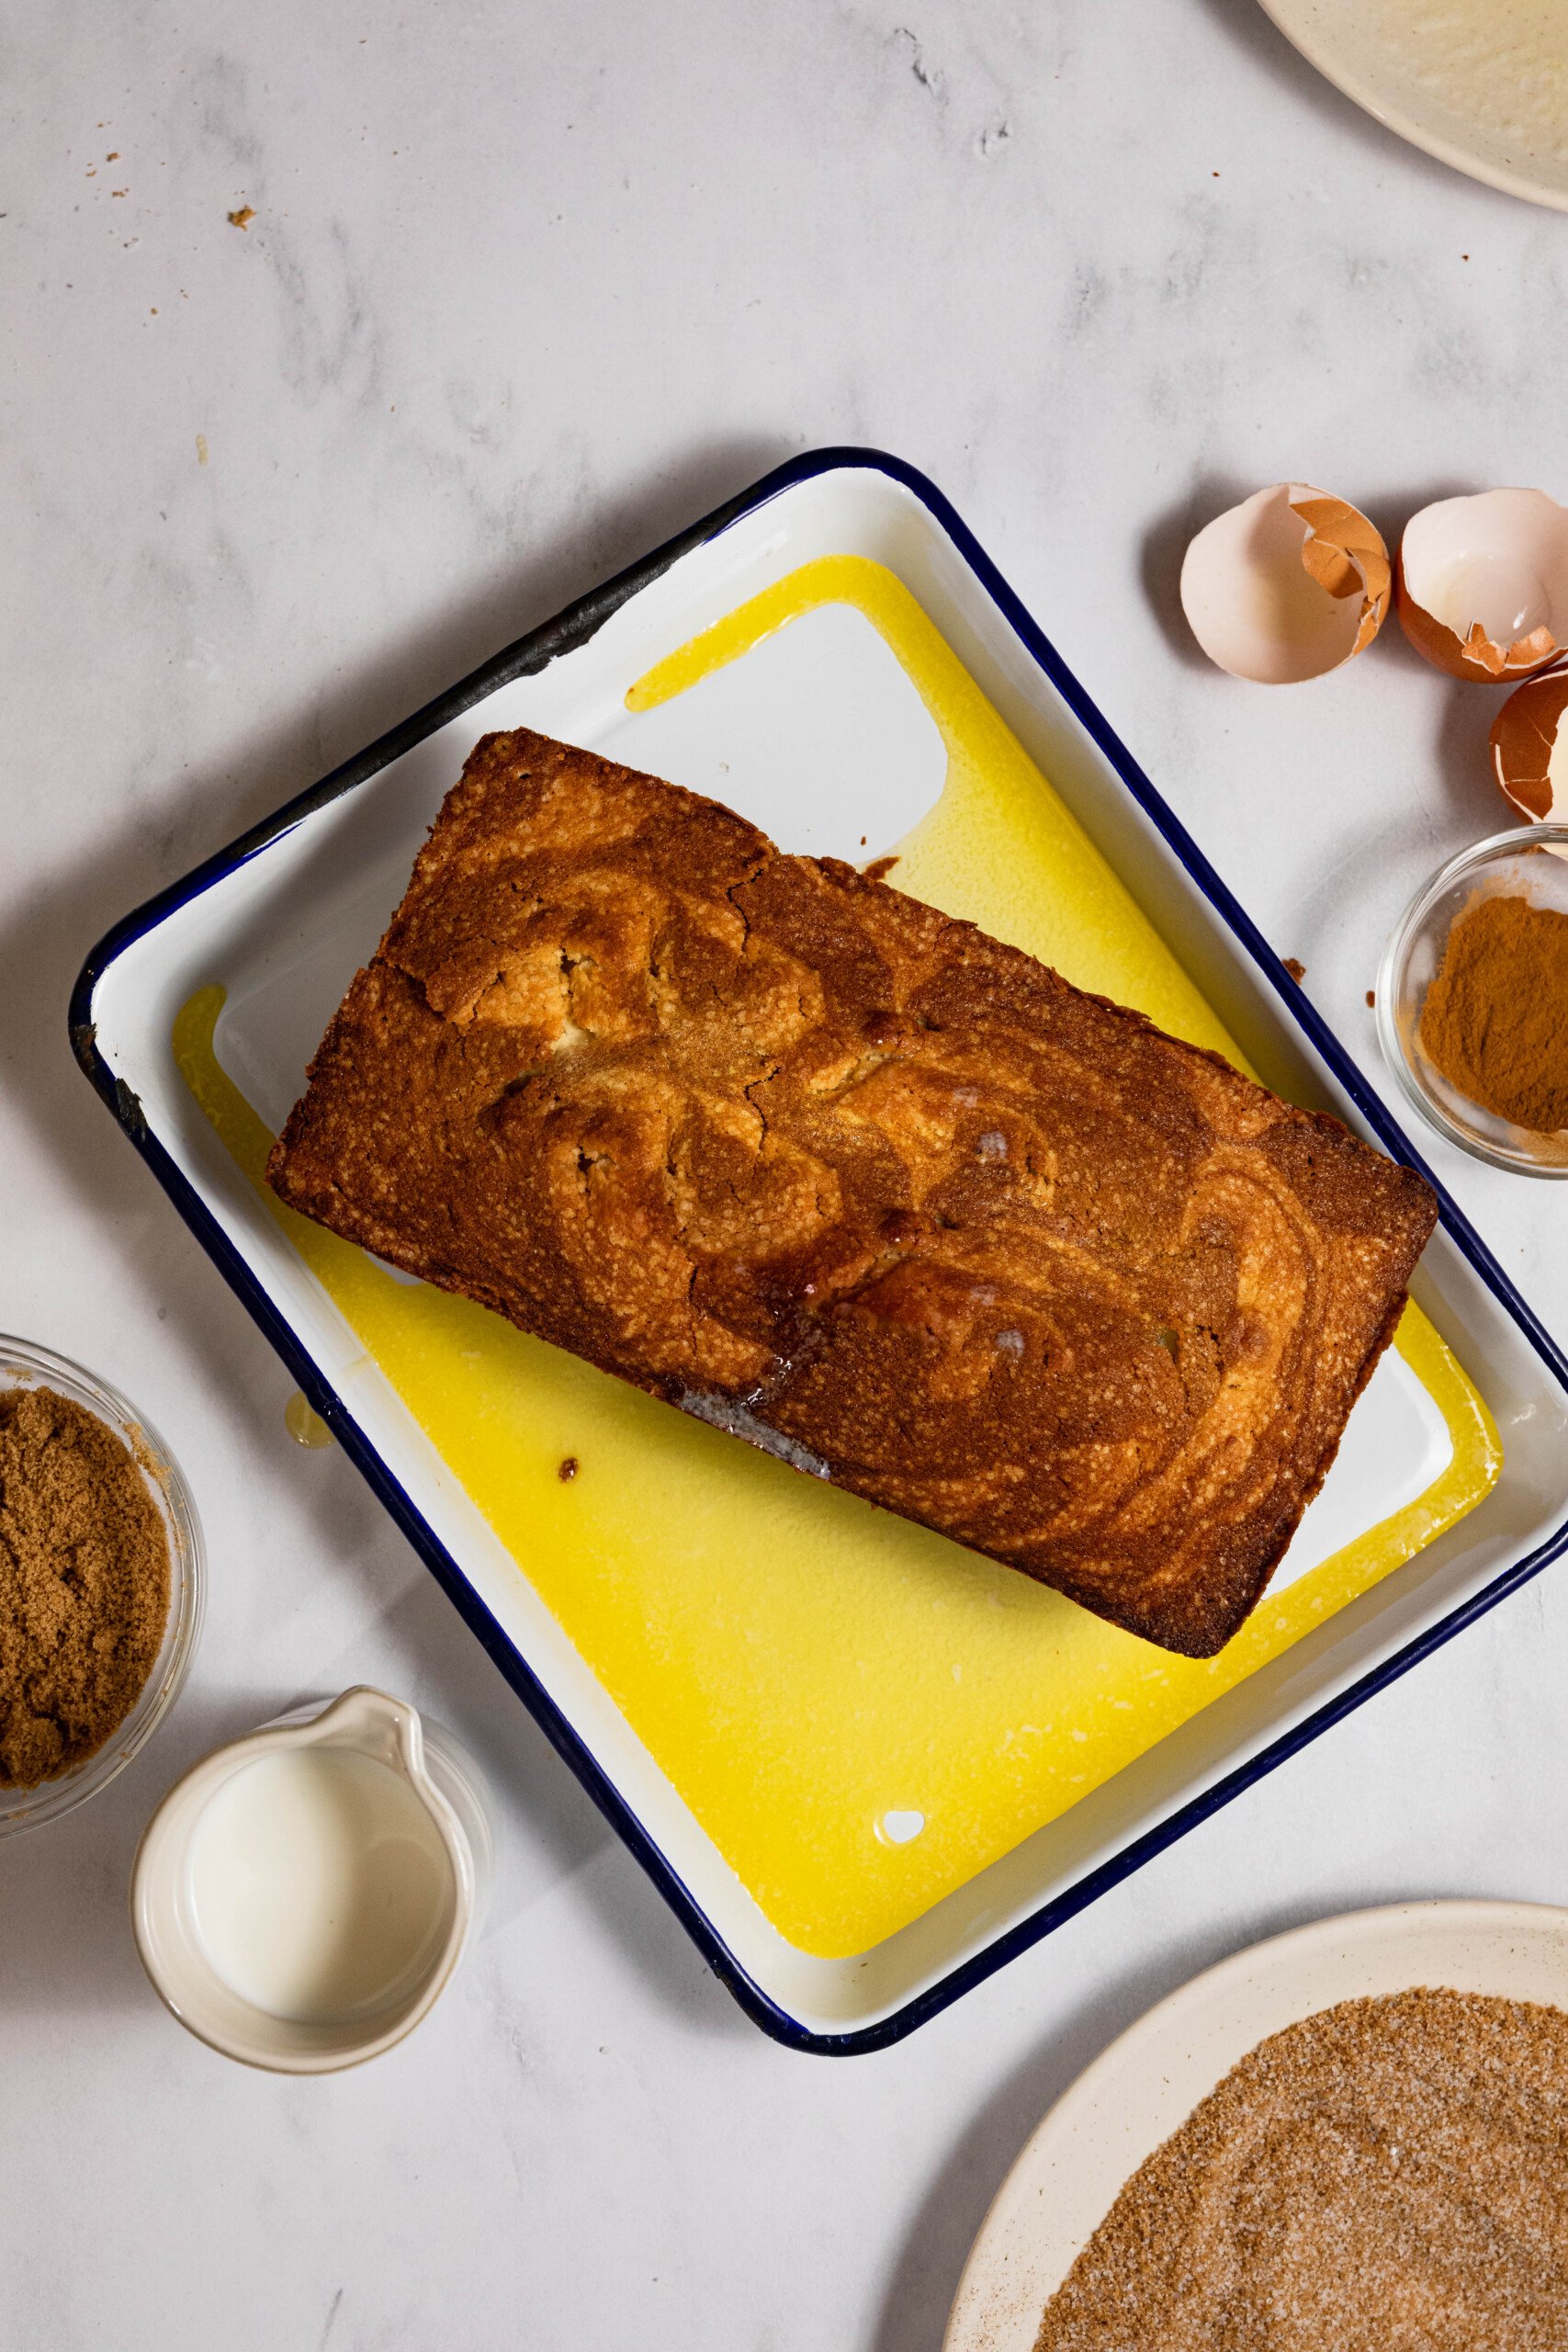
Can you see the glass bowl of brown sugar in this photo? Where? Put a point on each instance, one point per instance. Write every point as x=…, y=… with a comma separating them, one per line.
x=101, y=1584
x=1473, y=1000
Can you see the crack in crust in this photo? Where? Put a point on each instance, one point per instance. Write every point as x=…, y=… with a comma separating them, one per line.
x=884, y=1194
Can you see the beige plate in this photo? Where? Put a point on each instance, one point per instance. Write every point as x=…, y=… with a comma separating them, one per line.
x=1480, y=84
x=1141, y=2089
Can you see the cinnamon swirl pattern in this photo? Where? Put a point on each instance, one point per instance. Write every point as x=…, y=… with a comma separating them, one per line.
x=858, y=1183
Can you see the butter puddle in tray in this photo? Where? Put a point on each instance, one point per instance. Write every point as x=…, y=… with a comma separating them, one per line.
x=861, y=1715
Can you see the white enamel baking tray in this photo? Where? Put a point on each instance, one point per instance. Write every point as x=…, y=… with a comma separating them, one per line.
x=819, y=737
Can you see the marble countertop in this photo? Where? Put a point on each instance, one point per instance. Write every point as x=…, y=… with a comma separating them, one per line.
x=526, y=286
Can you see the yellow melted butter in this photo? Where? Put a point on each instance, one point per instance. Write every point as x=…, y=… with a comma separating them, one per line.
x=304, y=1424
x=800, y=1665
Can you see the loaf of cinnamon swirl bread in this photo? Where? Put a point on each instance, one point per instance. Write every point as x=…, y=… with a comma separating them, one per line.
x=858, y=1183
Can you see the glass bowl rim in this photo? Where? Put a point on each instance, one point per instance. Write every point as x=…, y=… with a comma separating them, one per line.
x=25, y=1809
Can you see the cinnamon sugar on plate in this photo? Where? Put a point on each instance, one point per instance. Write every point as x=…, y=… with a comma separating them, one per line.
x=1388, y=2176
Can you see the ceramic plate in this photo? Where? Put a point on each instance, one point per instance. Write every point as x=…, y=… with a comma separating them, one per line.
x=1145, y=2085
x=1482, y=85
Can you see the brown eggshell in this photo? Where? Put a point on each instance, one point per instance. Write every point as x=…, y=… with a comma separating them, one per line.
x=1481, y=585
x=1285, y=586
x=1525, y=739
x=1346, y=554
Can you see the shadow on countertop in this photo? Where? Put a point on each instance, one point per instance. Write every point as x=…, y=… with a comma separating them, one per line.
x=1164, y=544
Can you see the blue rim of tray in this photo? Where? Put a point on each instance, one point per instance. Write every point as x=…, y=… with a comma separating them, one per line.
x=530, y=654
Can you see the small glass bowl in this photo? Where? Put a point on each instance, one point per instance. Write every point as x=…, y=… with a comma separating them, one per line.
x=1530, y=862
x=23, y=1365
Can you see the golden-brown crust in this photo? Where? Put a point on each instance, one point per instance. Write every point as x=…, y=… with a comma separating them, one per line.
x=777, y=1142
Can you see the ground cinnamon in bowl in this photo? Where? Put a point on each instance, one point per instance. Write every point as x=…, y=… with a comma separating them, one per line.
x=1388, y=2176
x=83, y=1584
x=1495, y=1018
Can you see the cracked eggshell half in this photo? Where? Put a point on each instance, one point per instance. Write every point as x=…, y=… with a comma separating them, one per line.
x=1529, y=749
x=1285, y=586
x=1482, y=586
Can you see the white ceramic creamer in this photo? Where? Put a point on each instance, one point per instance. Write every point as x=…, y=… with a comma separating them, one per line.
x=300, y=1898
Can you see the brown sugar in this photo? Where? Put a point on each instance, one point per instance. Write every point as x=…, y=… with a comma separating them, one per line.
x=1388, y=2176
x=83, y=1584
x=1496, y=1018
